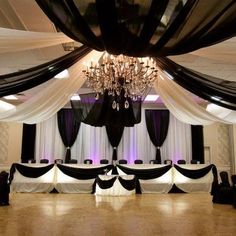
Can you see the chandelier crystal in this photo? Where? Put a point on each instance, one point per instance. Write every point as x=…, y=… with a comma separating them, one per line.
x=129, y=77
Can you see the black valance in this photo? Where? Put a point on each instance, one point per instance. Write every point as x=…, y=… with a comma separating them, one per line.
x=29, y=171
x=105, y=184
x=100, y=112
x=145, y=173
x=84, y=173
x=128, y=184
x=194, y=174
x=219, y=91
x=25, y=79
x=138, y=29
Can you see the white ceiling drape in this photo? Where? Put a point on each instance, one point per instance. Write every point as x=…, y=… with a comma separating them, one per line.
x=51, y=99
x=18, y=40
x=181, y=104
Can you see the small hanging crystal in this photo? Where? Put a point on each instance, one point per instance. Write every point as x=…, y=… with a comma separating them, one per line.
x=126, y=104
x=114, y=105
x=96, y=96
x=117, y=106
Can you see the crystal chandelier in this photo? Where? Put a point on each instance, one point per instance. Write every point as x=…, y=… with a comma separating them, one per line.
x=129, y=77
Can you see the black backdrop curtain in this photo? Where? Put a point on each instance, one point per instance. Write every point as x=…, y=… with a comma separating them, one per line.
x=136, y=29
x=25, y=79
x=114, y=134
x=100, y=112
x=157, y=122
x=197, y=143
x=28, y=142
x=68, y=128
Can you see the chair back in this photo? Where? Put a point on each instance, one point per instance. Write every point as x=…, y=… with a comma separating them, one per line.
x=73, y=161
x=58, y=161
x=104, y=161
x=194, y=161
x=31, y=161
x=45, y=161
x=122, y=161
x=168, y=162
x=154, y=162
x=88, y=161
x=181, y=162
x=233, y=178
x=138, y=161
x=224, y=178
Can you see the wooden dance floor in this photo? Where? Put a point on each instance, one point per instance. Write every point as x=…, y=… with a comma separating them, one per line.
x=32, y=214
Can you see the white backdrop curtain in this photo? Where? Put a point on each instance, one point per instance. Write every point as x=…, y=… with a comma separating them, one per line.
x=12, y=40
x=92, y=142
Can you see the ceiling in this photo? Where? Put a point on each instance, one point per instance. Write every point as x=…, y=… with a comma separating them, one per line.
x=218, y=60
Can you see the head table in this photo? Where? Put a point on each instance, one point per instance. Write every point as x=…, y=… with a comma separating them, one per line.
x=112, y=180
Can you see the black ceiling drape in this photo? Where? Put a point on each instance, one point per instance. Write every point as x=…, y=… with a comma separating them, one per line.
x=68, y=128
x=114, y=134
x=136, y=29
x=20, y=81
x=213, y=89
x=157, y=122
x=100, y=112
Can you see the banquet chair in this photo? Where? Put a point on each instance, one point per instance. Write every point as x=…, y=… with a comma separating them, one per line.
x=72, y=161
x=224, y=179
x=233, y=178
x=88, y=161
x=181, y=162
x=194, y=161
x=44, y=161
x=58, y=161
x=168, y=162
x=122, y=161
x=104, y=161
x=154, y=162
x=4, y=188
x=31, y=161
x=138, y=161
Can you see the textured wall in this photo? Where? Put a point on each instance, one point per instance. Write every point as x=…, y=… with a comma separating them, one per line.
x=4, y=141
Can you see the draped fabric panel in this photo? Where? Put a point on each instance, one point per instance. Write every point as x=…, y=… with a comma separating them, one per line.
x=68, y=128
x=208, y=87
x=137, y=29
x=157, y=122
x=92, y=142
x=12, y=40
x=99, y=112
x=42, y=106
x=180, y=103
x=114, y=134
x=197, y=143
x=28, y=142
x=22, y=80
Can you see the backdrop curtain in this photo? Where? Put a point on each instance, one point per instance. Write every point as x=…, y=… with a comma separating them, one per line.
x=28, y=142
x=114, y=134
x=68, y=128
x=197, y=143
x=157, y=122
x=99, y=112
x=92, y=142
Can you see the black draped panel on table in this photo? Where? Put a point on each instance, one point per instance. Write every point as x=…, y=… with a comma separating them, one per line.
x=114, y=134
x=138, y=29
x=84, y=173
x=28, y=142
x=68, y=128
x=197, y=143
x=27, y=171
x=216, y=90
x=157, y=122
x=25, y=79
x=100, y=112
